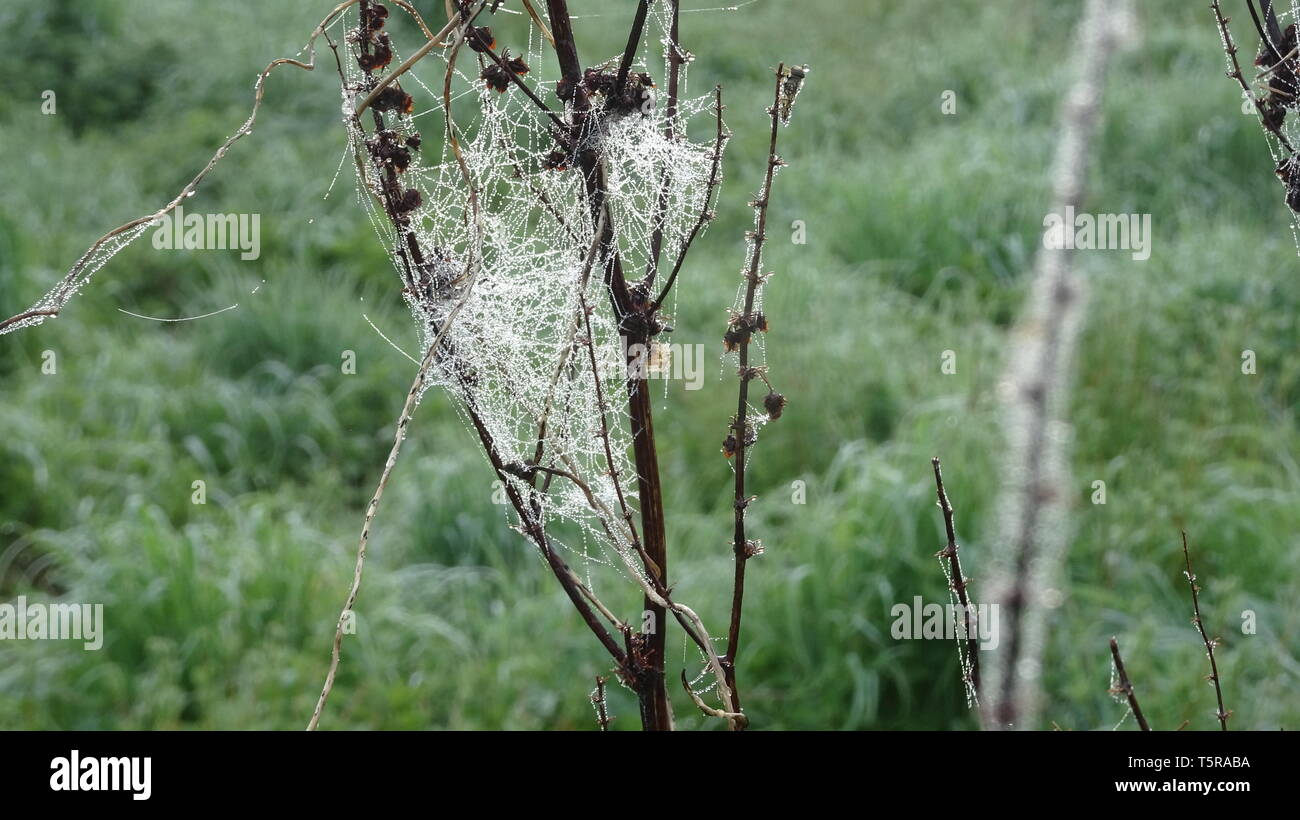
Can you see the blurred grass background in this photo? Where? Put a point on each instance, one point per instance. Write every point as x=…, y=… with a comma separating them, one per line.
x=920, y=232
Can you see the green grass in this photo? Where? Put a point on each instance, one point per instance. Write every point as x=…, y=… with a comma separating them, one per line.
x=921, y=230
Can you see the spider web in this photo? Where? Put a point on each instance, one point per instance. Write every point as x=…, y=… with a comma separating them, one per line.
x=510, y=238
x=1278, y=92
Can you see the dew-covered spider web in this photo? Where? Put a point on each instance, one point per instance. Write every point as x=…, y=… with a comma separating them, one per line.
x=1270, y=64
x=496, y=257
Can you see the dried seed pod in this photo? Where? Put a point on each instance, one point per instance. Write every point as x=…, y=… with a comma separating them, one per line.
x=1286, y=171
x=393, y=98
x=790, y=87
x=380, y=57
x=774, y=403
x=409, y=201
x=495, y=77
x=729, y=445
x=556, y=161
x=515, y=64
x=734, y=338
x=374, y=20
x=480, y=39
x=385, y=148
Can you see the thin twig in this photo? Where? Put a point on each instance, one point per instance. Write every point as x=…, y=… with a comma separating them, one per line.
x=58, y=297
x=598, y=699
x=675, y=61
x=1125, y=688
x=633, y=41
x=1235, y=73
x=537, y=21
x=741, y=546
x=971, y=673
x=403, y=421
x=1223, y=714
x=706, y=211
x=737, y=718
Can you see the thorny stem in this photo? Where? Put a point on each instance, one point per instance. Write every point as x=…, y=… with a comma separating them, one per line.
x=740, y=546
x=1125, y=687
x=1223, y=714
x=958, y=583
x=1230, y=48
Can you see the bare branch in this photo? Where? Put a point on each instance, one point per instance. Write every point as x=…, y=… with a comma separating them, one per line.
x=971, y=658
x=743, y=548
x=598, y=700
x=1223, y=714
x=1125, y=688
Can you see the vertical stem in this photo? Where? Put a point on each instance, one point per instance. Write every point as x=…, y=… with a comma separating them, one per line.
x=656, y=710
x=740, y=546
x=670, y=130
x=598, y=699
x=633, y=40
x=1223, y=714
x=958, y=582
x=1126, y=688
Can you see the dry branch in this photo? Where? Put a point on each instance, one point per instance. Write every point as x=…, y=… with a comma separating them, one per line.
x=1223, y=714
x=958, y=583
x=1125, y=687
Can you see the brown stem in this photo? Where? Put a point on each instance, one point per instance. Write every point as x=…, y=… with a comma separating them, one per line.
x=1125, y=687
x=740, y=546
x=1223, y=714
x=598, y=698
x=566, y=50
x=633, y=41
x=31, y=314
x=656, y=710
x=959, y=584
